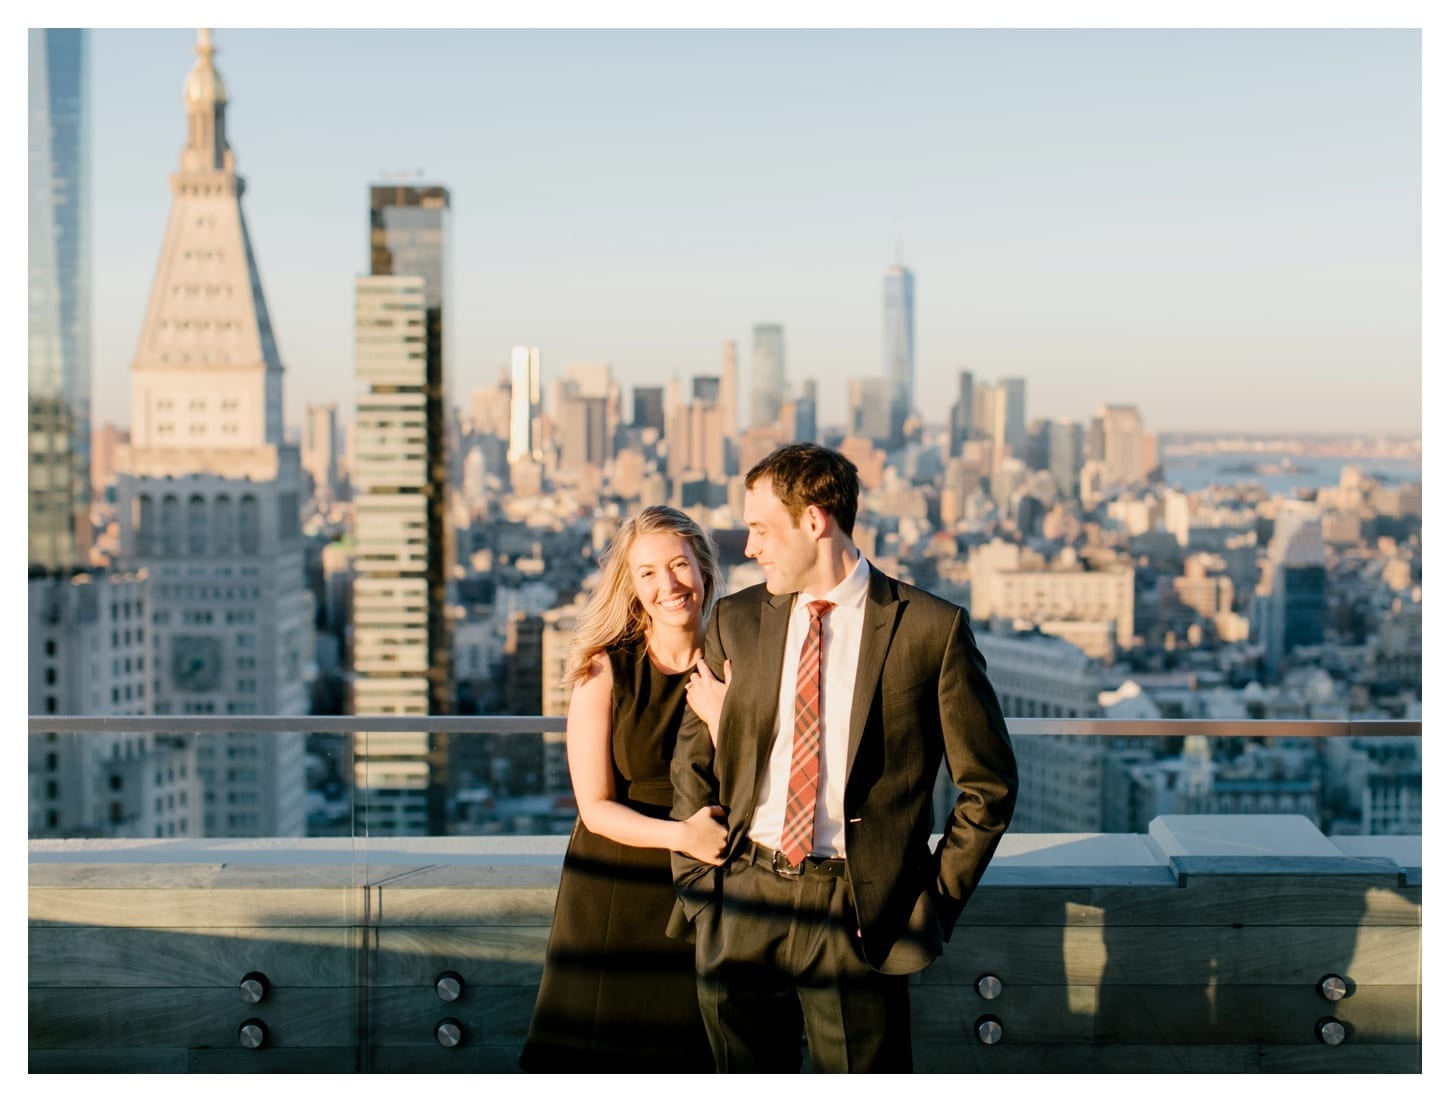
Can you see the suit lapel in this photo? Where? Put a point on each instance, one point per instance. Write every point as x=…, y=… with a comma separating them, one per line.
x=882, y=608
x=761, y=678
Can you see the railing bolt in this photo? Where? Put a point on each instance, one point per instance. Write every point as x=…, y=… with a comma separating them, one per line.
x=1333, y=987
x=449, y=986
x=989, y=986
x=253, y=1033
x=254, y=987
x=989, y=1029
x=1331, y=1031
x=449, y=1032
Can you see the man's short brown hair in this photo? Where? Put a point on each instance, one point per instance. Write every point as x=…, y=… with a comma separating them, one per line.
x=802, y=475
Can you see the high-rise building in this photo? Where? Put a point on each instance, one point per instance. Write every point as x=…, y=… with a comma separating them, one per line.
x=696, y=443
x=989, y=412
x=209, y=506
x=801, y=423
x=868, y=409
x=1292, y=599
x=589, y=379
x=584, y=408
x=1038, y=675
x=1095, y=444
x=1090, y=608
x=489, y=408
x=1123, y=444
x=962, y=413
x=767, y=375
x=320, y=448
x=1014, y=414
x=524, y=442
x=1034, y=454
x=402, y=653
x=1064, y=455
x=730, y=405
x=60, y=301
x=88, y=649
x=584, y=436
x=649, y=408
x=107, y=443
x=729, y=396
x=898, y=345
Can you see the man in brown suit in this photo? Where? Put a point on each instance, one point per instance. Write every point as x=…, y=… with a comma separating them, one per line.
x=847, y=687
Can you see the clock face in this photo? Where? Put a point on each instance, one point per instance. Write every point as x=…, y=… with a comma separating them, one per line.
x=196, y=663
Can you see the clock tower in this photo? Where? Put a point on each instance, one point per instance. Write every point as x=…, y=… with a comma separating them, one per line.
x=209, y=500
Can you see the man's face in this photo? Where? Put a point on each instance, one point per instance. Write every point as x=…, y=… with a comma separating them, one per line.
x=785, y=551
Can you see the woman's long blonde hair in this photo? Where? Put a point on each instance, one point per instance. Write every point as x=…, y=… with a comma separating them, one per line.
x=614, y=614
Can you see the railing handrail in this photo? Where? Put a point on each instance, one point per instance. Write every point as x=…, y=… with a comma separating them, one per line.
x=525, y=725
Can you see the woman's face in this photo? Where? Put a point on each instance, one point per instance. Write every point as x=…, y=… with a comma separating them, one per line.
x=667, y=579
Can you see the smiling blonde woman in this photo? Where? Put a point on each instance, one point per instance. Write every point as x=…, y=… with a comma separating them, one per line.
x=616, y=993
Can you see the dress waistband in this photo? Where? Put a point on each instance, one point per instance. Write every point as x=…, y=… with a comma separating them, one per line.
x=660, y=793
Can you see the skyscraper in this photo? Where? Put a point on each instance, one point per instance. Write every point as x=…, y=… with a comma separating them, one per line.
x=989, y=414
x=585, y=439
x=962, y=413
x=1123, y=444
x=209, y=507
x=649, y=408
x=60, y=301
x=524, y=443
x=729, y=405
x=706, y=388
x=1014, y=414
x=803, y=426
x=584, y=414
x=729, y=389
x=767, y=375
x=696, y=443
x=319, y=450
x=402, y=656
x=1291, y=602
x=898, y=345
x=868, y=409
x=1065, y=455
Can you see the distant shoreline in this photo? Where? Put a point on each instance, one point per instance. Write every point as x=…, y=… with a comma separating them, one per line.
x=1279, y=473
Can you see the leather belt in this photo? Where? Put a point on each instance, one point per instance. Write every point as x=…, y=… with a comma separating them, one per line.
x=775, y=861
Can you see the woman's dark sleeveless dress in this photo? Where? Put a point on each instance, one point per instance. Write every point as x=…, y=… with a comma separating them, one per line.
x=617, y=994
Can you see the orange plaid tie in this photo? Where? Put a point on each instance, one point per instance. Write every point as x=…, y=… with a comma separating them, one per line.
x=797, y=835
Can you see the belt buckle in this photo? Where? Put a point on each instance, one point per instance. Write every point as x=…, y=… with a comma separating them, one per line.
x=779, y=866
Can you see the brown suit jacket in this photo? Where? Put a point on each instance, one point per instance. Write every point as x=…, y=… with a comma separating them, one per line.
x=921, y=692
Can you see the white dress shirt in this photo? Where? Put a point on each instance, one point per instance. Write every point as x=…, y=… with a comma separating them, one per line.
x=840, y=652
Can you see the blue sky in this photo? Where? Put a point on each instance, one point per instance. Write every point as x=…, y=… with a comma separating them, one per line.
x=1221, y=226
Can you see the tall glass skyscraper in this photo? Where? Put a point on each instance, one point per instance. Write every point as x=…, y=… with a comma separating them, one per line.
x=60, y=301
x=402, y=656
x=898, y=344
x=767, y=374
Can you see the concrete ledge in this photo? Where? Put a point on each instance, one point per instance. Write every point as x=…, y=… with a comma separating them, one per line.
x=1401, y=849
x=1198, y=947
x=1239, y=836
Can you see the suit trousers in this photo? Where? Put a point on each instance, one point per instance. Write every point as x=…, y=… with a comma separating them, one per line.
x=777, y=954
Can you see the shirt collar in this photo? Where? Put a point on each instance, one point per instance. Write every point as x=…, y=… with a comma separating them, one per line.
x=850, y=593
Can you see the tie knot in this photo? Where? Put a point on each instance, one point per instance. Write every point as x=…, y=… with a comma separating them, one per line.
x=818, y=609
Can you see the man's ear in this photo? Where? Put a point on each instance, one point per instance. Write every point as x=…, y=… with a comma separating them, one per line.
x=817, y=521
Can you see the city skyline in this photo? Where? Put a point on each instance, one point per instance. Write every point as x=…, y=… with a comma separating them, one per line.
x=1161, y=222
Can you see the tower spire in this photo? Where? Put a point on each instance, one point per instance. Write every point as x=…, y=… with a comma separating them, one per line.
x=207, y=338
x=205, y=97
